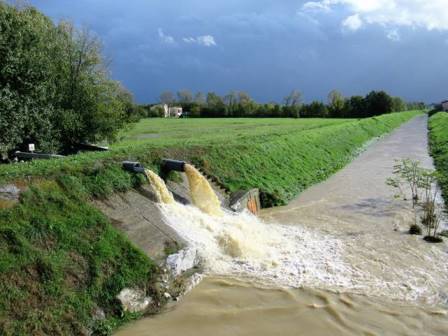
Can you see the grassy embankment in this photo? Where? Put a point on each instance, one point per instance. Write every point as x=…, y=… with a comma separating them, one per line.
x=438, y=135
x=60, y=258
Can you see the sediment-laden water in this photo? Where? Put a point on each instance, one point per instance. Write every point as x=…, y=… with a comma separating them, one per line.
x=336, y=261
x=223, y=307
x=162, y=193
x=202, y=193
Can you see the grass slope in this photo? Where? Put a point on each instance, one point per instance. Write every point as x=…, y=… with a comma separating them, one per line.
x=287, y=164
x=438, y=136
x=60, y=258
x=164, y=132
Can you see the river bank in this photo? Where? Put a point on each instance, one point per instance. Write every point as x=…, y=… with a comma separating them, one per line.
x=438, y=134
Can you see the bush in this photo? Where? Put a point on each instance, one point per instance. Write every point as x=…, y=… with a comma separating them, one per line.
x=432, y=239
x=415, y=230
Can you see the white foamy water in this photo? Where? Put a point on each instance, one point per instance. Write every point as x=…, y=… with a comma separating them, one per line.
x=243, y=245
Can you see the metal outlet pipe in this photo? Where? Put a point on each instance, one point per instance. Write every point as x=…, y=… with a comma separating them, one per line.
x=133, y=167
x=169, y=165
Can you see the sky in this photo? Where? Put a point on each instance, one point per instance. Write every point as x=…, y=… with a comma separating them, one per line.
x=267, y=48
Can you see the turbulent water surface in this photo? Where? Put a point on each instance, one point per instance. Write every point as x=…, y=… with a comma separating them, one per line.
x=336, y=261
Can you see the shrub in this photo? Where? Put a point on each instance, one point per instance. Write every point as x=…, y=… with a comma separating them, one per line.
x=432, y=239
x=415, y=230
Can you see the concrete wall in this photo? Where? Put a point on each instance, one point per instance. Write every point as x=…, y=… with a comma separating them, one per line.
x=136, y=214
x=249, y=200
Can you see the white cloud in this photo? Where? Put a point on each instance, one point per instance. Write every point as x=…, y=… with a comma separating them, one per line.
x=317, y=5
x=353, y=22
x=206, y=40
x=166, y=38
x=393, y=35
x=428, y=14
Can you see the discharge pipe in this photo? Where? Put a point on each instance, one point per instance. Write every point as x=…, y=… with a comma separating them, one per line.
x=133, y=167
x=166, y=166
x=169, y=165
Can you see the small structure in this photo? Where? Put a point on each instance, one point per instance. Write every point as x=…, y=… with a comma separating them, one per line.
x=167, y=112
x=445, y=105
x=172, y=112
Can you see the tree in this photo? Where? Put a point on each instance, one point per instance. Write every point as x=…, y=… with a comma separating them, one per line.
x=55, y=90
x=418, y=106
x=294, y=98
x=398, y=105
x=246, y=106
x=200, y=98
x=167, y=97
x=231, y=101
x=215, y=106
x=316, y=109
x=335, y=104
x=184, y=97
x=93, y=106
x=292, y=104
x=378, y=103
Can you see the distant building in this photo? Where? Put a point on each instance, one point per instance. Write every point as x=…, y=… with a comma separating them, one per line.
x=167, y=112
x=445, y=105
x=173, y=112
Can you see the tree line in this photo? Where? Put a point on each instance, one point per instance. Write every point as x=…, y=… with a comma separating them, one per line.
x=240, y=104
x=55, y=87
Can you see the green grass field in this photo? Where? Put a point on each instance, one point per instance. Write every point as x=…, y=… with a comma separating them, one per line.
x=160, y=131
x=60, y=257
x=438, y=134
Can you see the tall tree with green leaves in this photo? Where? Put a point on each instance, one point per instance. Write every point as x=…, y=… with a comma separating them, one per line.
x=55, y=89
x=335, y=104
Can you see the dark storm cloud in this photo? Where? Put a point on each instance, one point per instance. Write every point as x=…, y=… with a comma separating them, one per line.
x=266, y=48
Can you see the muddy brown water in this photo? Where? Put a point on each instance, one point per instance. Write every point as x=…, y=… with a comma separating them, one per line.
x=399, y=284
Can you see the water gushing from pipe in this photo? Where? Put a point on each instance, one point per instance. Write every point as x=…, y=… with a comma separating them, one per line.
x=202, y=193
x=162, y=193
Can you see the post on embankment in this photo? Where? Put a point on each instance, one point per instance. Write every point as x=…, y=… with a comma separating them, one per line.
x=249, y=200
